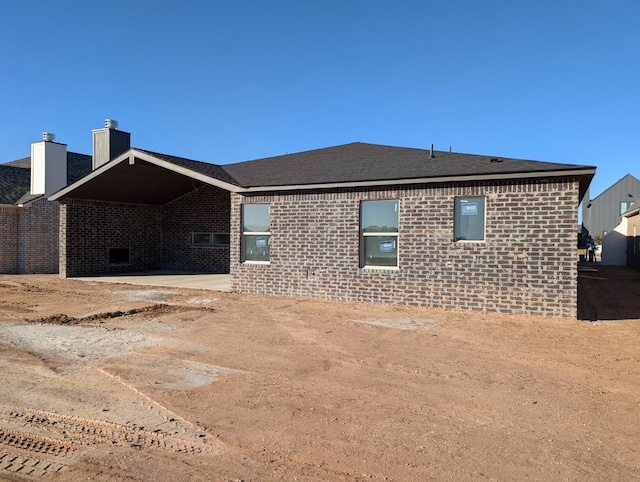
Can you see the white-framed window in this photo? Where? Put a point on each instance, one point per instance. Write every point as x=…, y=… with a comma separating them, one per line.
x=379, y=233
x=256, y=232
x=210, y=239
x=469, y=222
x=624, y=206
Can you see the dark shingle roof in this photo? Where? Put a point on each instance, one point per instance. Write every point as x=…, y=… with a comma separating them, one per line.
x=24, y=162
x=212, y=170
x=14, y=183
x=15, y=177
x=78, y=165
x=357, y=162
x=360, y=162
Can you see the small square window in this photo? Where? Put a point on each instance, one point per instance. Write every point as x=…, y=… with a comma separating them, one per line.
x=202, y=239
x=469, y=219
x=221, y=240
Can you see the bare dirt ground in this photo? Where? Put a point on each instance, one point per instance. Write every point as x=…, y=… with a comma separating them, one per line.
x=118, y=382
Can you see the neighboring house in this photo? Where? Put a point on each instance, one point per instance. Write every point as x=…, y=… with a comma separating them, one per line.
x=603, y=213
x=632, y=222
x=620, y=247
x=28, y=221
x=356, y=222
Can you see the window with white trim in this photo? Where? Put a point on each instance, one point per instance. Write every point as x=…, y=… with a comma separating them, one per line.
x=624, y=206
x=256, y=232
x=379, y=233
x=469, y=219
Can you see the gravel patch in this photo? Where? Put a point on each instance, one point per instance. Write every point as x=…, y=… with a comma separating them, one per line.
x=401, y=323
x=148, y=295
x=75, y=342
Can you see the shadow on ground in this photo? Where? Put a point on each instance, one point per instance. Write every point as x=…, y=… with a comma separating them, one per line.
x=608, y=292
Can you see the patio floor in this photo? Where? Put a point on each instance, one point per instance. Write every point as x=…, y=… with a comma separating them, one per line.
x=172, y=279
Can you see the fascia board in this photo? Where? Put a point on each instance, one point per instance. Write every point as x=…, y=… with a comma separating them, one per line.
x=426, y=180
x=186, y=172
x=630, y=214
x=92, y=175
x=130, y=156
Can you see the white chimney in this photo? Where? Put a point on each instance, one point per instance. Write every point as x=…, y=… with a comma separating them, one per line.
x=48, y=165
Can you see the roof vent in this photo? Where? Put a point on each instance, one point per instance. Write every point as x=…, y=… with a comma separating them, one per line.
x=494, y=160
x=48, y=137
x=111, y=124
x=431, y=156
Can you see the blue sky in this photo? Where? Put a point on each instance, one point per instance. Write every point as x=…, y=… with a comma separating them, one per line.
x=238, y=80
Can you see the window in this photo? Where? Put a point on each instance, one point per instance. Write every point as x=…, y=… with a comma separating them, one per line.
x=469, y=219
x=379, y=233
x=221, y=240
x=256, y=232
x=210, y=239
x=202, y=239
x=624, y=206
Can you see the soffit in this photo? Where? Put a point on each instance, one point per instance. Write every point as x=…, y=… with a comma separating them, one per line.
x=137, y=183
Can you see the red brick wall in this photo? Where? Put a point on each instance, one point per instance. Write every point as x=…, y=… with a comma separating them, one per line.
x=29, y=238
x=38, y=237
x=9, y=240
x=88, y=229
x=205, y=210
x=526, y=264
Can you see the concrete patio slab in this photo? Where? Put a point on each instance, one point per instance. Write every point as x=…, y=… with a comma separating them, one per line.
x=170, y=279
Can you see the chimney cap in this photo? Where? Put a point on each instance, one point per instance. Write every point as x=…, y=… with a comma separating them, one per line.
x=111, y=124
x=48, y=137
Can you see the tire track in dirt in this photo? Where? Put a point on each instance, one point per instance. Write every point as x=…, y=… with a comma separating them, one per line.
x=26, y=454
x=25, y=451
x=88, y=432
x=28, y=466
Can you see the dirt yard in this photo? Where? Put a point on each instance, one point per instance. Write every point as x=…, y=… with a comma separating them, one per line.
x=123, y=383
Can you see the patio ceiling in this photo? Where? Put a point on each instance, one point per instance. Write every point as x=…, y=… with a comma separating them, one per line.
x=140, y=182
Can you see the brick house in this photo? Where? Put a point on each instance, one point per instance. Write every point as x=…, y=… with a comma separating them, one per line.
x=357, y=222
x=28, y=221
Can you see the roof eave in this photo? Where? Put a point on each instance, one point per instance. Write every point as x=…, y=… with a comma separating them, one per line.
x=426, y=180
x=184, y=171
x=30, y=201
x=630, y=214
x=130, y=156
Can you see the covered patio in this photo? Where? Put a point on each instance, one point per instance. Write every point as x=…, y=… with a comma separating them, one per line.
x=144, y=213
